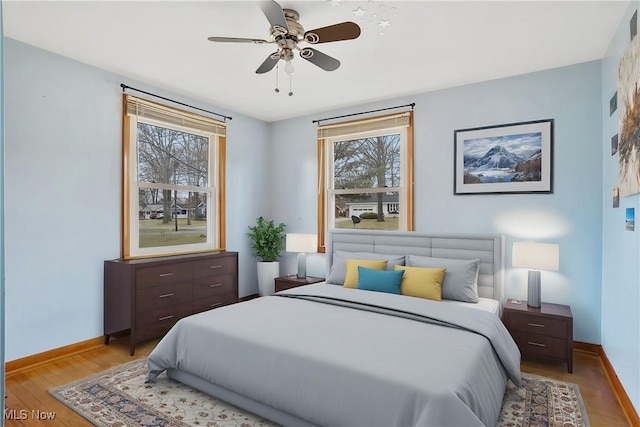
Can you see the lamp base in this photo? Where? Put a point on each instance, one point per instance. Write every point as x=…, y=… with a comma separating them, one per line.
x=533, y=290
x=302, y=266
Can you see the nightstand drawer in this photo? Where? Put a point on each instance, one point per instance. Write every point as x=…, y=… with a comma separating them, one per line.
x=538, y=325
x=283, y=286
x=541, y=345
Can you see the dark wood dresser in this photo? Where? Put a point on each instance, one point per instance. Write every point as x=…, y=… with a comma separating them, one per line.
x=545, y=331
x=148, y=296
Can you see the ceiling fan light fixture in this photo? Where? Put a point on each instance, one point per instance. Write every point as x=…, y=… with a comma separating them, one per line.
x=288, y=67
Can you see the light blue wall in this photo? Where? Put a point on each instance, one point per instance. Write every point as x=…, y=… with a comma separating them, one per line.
x=620, y=248
x=63, y=154
x=571, y=216
x=2, y=355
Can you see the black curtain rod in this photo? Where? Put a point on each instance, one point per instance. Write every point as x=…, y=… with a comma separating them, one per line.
x=125, y=87
x=413, y=104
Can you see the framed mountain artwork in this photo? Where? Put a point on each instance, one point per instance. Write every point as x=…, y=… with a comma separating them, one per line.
x=629, y=119
x=509, y=158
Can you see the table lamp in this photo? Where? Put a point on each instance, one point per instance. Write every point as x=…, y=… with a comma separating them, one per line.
x=303, y=244
x=536, y=257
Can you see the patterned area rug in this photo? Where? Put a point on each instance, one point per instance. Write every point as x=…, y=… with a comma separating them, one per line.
x=119, y=397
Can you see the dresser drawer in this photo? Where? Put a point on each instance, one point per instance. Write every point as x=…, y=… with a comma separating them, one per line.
x=214, y=266
x=158, y=321
x=216, y=285
x=538, y=325
x=162, y=296
x=163, y=274
x=540, y=345
x=204, y=304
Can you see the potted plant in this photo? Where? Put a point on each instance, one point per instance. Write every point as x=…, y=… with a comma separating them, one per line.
x=267, y=241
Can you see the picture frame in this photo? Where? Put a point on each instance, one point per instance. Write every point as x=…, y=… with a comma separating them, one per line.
x=628, y=126
x=630, y=219
x=613, y=103
x=507, y=158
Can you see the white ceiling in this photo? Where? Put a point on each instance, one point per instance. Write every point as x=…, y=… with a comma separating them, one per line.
x=429, y=45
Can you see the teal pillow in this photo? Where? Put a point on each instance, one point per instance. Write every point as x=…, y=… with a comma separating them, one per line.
x=380, y=280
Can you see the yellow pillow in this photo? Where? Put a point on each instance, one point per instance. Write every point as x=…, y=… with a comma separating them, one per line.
x=422, y=282
x=351, y=278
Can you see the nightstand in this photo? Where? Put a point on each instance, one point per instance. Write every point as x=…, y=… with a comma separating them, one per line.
x=545, y=331
x=288, y=282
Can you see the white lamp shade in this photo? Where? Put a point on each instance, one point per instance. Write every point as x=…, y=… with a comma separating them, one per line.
x=297, y=242
x=537, y=256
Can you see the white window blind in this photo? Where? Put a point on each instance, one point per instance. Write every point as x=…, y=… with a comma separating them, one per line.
x=365, y=125
x=150, y=110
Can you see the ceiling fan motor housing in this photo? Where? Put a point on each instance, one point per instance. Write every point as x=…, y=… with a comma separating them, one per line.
x=292, y=18
x=294, y=31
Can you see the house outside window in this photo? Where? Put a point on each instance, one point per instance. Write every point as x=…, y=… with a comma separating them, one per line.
x=366, y=174
x=173, y=188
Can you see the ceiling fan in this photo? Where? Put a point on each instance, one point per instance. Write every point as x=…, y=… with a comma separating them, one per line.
x=286, y=32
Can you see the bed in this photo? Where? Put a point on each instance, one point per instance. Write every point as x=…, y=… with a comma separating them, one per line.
x=327, y=354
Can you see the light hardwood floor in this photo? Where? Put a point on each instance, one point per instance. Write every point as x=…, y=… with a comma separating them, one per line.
x=27, y=388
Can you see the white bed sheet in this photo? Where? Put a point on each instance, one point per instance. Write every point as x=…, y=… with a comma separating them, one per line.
x=486, y=304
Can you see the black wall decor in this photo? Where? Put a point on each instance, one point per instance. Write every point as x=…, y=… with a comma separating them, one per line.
x=613, y=104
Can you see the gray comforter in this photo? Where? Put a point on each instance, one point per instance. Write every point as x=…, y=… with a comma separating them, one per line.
x=346, y=357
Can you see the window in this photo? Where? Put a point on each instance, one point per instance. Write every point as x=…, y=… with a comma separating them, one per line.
x=366, y=174
x=173, y=186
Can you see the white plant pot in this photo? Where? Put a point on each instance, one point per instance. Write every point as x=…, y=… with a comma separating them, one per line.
x=267, y=272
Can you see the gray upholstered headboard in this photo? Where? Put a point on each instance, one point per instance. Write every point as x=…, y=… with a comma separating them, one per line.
x=488, y=248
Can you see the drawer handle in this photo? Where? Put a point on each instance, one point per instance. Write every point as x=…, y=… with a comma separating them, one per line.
x=166, y=274
x=537, y=325
x=165, y=295
x=166, y=317
x=537, y=344
x=216, y=266
x=215, y=304
x=215, y=285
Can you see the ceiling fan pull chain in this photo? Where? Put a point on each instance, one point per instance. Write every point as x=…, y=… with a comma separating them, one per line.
x=277, y=89
x=290, y=81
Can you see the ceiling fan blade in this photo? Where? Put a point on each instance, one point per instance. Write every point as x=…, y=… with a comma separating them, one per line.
x=275, y=15
x=320, y=59
x=333, y=33
x=236, y=40
x=268, y=63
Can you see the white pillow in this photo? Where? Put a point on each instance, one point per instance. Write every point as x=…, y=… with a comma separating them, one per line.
x=339, y=265
x=460, y=281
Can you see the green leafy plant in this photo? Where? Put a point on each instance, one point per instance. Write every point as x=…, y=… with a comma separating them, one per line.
x=368, y=215
x=267, y=239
